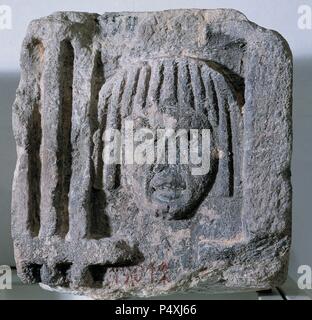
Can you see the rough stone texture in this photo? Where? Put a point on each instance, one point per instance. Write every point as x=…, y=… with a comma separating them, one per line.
x=105, y=231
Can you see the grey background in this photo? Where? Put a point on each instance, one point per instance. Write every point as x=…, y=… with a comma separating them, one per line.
x=279, y=15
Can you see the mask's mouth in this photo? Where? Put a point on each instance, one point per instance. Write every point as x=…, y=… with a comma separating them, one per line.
x=166, y=187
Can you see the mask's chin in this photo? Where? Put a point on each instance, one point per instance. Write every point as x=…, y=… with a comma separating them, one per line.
x=167, y=195
x=170, y=204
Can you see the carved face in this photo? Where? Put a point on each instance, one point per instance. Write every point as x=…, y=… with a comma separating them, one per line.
x=171, y=191
x=169, y=93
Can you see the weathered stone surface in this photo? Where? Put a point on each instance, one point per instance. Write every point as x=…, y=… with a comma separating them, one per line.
x=104, y=230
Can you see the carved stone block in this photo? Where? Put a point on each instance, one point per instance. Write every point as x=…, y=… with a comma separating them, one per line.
x=86, y=225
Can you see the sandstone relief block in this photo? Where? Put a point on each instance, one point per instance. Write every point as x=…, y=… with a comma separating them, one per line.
x=111, y=230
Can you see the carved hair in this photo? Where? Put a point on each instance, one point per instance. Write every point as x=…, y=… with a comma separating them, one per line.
x=190, y=84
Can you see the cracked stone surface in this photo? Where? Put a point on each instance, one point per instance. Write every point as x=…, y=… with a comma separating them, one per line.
x=112, y=231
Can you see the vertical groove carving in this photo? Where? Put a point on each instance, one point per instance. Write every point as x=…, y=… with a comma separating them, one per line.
x=143, y=85
x=175, y=81
x=168, y=97
x=36, y=52
x=111, y=178
x=212, y=94
x=230, y=151
x=98, y=223
x=226, y=163
x=157, y=78
x=220, y=116
x=185, y=91
x=198, y=87
x=130, y=91
x=64, y=151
